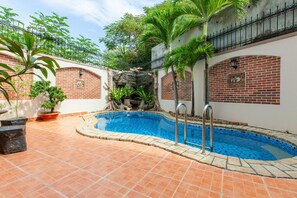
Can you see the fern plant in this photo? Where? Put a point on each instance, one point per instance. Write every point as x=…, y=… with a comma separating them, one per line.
x=146, y=96
x=117, y=94
x=127, y=91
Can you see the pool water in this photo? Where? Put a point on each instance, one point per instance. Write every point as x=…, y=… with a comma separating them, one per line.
x=229, y=142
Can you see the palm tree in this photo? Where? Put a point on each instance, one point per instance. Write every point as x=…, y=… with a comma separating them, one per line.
x=164, y=24
x=187, y=56
x=203, y=11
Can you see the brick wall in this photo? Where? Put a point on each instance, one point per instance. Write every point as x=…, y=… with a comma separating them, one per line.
x=184, y=87
x=27, y=79
x=76, y=86
x=261, y=86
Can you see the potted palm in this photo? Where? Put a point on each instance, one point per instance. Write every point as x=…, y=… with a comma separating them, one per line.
x=53, y=94
x=20, y=85
x=127, y=92
x=30, y=56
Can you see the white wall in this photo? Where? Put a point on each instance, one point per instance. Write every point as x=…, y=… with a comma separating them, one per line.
x=279, y=117
x=79, y=105
x=30, y=108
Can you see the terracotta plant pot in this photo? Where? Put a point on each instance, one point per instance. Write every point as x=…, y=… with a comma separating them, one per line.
x=49, y=116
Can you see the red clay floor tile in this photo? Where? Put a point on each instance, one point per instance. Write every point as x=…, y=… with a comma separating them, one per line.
x=104, y=188
x=61, y=163
x=74, y=183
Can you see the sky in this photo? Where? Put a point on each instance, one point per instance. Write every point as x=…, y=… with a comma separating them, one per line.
x=85, y=17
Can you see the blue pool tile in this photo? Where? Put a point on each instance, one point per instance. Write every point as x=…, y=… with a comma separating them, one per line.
x=229, y=142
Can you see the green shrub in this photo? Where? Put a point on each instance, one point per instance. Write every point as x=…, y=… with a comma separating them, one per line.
x=54, y=94
x=127, y=92
x=117, y=94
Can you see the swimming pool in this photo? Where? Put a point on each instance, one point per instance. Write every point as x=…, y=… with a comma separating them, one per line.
x=229, y=142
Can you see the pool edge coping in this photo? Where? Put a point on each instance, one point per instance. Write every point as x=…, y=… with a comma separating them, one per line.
x=284, y=168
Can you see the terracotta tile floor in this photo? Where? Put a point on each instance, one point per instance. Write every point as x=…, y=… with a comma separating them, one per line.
x=61, y=163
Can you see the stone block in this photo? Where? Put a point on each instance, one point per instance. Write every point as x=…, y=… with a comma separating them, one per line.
x=219, y=162
x=276, y=172
x=14, y=121
x=240, y=169
x=12, y=139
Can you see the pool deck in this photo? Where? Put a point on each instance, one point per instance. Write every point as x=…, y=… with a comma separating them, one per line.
x=62, y=163
x=284, y=168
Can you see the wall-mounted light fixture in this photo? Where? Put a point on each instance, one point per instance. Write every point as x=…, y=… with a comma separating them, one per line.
x=81, y=72
x=234, y=63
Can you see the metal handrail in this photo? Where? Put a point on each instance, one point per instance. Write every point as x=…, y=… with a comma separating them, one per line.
x=208, y=106
x=176, y=121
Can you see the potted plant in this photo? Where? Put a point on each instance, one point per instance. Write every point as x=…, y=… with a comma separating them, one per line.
x=127, y=92
x=146, y=98
x=29, y=54
x=20, y=85
x=116, y=96
x=53, y=94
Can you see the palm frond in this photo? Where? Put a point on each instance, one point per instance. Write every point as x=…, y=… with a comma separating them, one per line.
x=164, y=22
x=185, y=23
x=187, y=55
x=240, y=6
x=150, y=34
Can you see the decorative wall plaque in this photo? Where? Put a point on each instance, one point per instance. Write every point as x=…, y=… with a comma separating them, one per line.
x=236, y=80
x=79, y=84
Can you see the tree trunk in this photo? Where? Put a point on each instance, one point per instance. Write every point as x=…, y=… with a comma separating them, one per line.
x=17, y=98
x=175, y=91
x=193, y=96
x=156, y=98
x=17, y=104
x=205, y=27
x=206, y=81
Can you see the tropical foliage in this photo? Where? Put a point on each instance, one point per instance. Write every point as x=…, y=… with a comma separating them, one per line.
x=20, y=86
x=128, y=41
x=144, y=95
x=50, y=26
x=127, y=91
x=117, y=94
x=124, y=49
x=203, y=11
x=7, y=15
x=165, y=25
x=29, y=56
x=54, y=30
x=187, y=56
x=90, y=50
